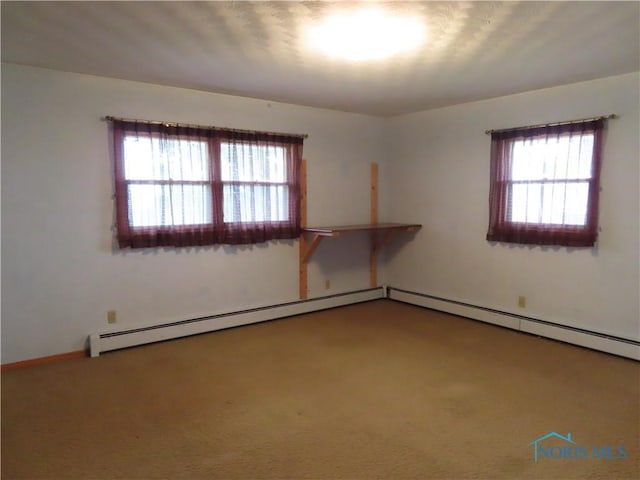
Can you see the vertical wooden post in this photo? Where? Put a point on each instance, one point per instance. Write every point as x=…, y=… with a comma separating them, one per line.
x=373, y=260
x=303, y=223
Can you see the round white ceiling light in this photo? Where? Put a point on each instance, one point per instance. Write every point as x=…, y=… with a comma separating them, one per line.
x=370, y=34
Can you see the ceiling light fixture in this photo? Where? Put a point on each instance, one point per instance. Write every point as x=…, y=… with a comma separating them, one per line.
x=370, y=34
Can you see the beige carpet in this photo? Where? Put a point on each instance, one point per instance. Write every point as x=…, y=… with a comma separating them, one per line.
x=376, y=390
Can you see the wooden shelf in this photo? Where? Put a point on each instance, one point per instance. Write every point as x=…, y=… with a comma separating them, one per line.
x=380, y=233
x=388, y=229
x=337, y=230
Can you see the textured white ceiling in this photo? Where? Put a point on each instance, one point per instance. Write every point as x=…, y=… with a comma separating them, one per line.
x=475, y=50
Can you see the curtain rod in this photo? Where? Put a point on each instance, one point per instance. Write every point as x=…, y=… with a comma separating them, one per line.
x=568, y=122
x=109, y=118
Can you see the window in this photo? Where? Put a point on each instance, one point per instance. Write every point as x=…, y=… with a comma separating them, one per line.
x=254, y=176
x=545, y=183
x=186, y=186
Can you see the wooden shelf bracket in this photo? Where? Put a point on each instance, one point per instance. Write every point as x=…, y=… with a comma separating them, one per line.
x=379, y=242
x=307, y=251
x=311, y=237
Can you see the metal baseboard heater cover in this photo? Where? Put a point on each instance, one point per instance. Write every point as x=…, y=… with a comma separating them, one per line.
x=130, y=337
x=114, y=340
x=623, y=347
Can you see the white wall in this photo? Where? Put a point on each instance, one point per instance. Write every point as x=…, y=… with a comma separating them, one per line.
x=59, y=272
x=439, y=176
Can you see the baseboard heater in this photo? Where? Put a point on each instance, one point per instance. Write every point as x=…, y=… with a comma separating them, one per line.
x=130, y=337
x=623, y=347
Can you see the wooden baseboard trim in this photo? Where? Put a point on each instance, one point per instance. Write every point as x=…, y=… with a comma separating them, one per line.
x=43, y=360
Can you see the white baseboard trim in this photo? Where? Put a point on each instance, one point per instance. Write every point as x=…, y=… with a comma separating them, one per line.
x=597, y=341
x=130, y=337
x=115, y=340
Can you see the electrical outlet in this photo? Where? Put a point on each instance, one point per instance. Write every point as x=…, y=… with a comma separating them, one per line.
x=327, y=284
x=111, y=316
x=522, y=301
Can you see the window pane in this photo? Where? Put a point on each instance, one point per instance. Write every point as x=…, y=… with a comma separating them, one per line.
x=165, y=205
x=564, y=157
x=188, y=159
x=526, y=203
x=574, y=198
x=248, y=203
x=139, y=162
x=252, y=163
x=147, y=158
x=528, y=160
x=550, y=203
x=580, y=157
